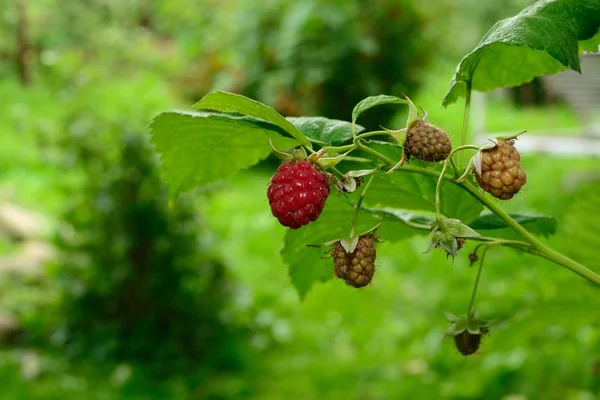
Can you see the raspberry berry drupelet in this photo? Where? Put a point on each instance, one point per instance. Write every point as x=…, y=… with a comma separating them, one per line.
x=297, y=193
x=427, y=142
x=358, y=267
x=498, y=170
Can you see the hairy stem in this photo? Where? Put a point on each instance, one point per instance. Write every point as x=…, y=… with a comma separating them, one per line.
x=543, y=250
x=373, y=133
x=358, y=204
x=470, y=310
x=377, y=154
x=463, y=135
x=438, y=200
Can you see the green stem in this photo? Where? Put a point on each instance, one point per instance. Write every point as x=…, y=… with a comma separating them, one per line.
x=544, y=251
x=373, y=133
x=358, y=204
x=359, y=159
x=336, y=172
x=470, y=311
x=377, y=154
x=438, y=200
x=339, y=149
x=463, y=135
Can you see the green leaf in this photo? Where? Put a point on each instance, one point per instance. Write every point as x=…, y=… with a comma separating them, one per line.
x=580, y=226
x=536, y=224
x=417, y=192
x=200, y=148
x=306, y=264
x=234, y=103
x=542, y=39
x=325, y=131
x=374, y=101
x=421, y=221
x=592, y=44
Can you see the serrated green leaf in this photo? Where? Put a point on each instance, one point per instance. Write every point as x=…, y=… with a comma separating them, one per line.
x=536, y=224
x=374, y=101
x=199, y=148
x=325, y=131
x=581, y=225
x=234, y=103
x=306, y=264
x=417, y=192
x=592, y=44
x=416, y=220
x=542, y=39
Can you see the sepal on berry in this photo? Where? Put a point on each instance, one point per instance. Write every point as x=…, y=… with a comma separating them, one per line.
x=297, y=153
x=354, y=260
x=449, y=235
x=325, y=160
x=352, y=180
x=467, y=331
x=498, y=170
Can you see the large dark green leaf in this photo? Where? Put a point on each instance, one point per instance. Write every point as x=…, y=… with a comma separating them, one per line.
x=234, y=103
x=374, y=101
x=325, y=131
x=199, y=148
x=542, y=39
x=402, y=190
x=536, y=224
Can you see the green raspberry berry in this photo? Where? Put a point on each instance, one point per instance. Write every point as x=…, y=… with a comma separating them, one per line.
x=498, y=170
x=427, y=142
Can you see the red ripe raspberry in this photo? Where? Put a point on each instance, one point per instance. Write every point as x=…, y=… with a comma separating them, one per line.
x=297, y=193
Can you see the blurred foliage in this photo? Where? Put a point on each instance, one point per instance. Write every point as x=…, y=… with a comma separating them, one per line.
x=72, y=148
x=135, y=270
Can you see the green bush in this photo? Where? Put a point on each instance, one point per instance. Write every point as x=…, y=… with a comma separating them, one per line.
x=139, y=282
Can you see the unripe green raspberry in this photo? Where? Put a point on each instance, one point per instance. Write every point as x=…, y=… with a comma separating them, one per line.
x=427, y=142
x=498, y=170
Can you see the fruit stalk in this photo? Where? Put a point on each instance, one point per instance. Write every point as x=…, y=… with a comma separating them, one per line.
x=544, y=250
x=358, y=204
x=463, y=135
x=476, y=284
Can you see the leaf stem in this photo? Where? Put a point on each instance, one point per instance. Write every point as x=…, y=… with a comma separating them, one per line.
x=373, y=133
x=339, y=149
x=358, y=204
x=438, y=186
x=543, y=250
x=480, y=268
x=463, y=135
x=376, y=154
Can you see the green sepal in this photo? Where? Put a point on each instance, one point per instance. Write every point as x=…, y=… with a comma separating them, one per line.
x=398, y=135
x=326, y=162
x=282, y=155
x=413, y=113
x=458, y=229
x=349, y=244
x=459, y=324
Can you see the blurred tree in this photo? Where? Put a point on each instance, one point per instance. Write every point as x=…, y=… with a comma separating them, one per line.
x=312, y=57
x=23, y=46
x=139, y=282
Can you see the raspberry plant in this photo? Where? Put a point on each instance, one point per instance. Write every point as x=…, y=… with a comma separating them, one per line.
x=415, y=182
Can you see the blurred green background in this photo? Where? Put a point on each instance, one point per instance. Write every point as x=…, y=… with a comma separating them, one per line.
x=107, y=293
